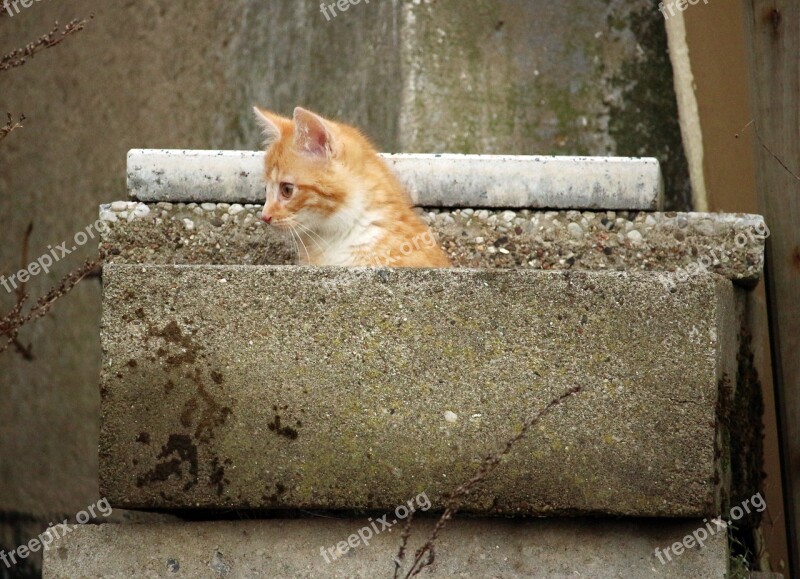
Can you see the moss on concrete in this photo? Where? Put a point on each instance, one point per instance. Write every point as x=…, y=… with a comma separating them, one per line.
x=644, y=119
x=335, y=384
x=516, y=76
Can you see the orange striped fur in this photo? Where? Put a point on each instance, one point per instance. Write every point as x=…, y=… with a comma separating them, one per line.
x=329, y=189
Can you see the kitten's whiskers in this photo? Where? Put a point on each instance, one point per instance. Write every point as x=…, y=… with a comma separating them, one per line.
x=296, y=248
x=309, y=231
x=300, y=239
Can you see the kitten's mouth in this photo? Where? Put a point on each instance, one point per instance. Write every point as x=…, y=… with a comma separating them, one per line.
x=282, y=224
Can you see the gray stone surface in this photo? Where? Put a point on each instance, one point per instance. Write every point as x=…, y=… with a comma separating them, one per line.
x=731, y=245
x=290, y=549
x=18, y=529
x=494, y=181
x=595, y=75
x=292, y=387
x=502, y=77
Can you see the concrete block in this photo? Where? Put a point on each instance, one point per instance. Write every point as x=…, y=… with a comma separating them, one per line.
x=294, y=387
x=290, y=549
x=731, y=245
x=496, y=181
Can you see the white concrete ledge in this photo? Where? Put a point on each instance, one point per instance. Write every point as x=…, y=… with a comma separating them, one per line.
x=478, y=181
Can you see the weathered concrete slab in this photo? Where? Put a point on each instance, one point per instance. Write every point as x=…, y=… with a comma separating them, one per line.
x=731, y=245
x=496, y=181
x=290, y=549
x=292, y=387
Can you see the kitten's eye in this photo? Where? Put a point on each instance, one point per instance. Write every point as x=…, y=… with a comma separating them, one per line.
x=287, y=190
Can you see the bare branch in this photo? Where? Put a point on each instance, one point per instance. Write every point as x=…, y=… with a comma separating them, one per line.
x=11, y=125
x=13, y=321
x=401, y=553
x=23, y=262
x=426, y=555
x=56, y=36
x=25, y=351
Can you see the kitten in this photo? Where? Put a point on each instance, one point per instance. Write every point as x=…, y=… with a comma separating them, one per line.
x=327, y=186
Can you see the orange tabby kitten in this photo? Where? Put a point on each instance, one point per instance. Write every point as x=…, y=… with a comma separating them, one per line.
x=328, y=187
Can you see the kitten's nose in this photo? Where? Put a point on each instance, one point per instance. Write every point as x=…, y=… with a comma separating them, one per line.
x=266, y=218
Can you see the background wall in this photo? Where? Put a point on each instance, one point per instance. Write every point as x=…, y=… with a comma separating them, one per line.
x=501, y=76
x=718, y=65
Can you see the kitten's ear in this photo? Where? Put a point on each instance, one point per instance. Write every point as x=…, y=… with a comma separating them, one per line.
x=271, y=125
x=312, y=134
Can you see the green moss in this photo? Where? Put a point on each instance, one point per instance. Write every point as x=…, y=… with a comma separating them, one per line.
x=645, y=122
x=744, y=429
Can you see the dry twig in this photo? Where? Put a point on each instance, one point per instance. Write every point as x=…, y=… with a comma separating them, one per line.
x=56, y=36
x=425, y=555
x=25, y=351
x=11, y=125
x=13, y=321
x=10, y=325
